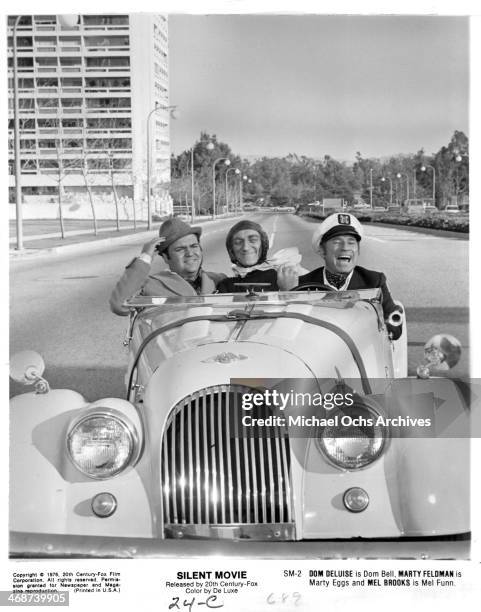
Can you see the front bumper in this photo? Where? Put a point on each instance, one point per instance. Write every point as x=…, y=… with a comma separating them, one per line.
x=34, y=545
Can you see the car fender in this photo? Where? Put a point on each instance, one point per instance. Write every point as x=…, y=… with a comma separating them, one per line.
x=430, y=488
x=48, y=494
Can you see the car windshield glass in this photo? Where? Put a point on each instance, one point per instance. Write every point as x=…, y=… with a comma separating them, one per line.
x=232, y=309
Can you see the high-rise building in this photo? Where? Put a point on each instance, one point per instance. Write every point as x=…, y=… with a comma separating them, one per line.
x=86, y=89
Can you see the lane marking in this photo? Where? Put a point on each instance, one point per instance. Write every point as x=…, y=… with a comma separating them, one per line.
x=376, y=239
x=272, y=236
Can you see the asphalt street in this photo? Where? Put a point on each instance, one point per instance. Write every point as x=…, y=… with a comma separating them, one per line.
x=59, y=304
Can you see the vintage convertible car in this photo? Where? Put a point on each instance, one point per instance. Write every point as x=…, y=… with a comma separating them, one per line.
x=177, y=462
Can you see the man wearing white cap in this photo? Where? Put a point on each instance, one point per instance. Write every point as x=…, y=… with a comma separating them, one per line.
x=337, y=240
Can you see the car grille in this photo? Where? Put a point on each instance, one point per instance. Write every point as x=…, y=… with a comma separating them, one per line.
x=211, y=477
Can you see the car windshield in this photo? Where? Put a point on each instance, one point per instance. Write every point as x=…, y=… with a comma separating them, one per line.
x=217, y=316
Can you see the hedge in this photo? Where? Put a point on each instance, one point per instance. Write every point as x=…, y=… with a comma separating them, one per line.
x=439, y=221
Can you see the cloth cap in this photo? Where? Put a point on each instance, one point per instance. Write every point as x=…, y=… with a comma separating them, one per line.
x=244, y=225
x=173, y=229
x=337, y=224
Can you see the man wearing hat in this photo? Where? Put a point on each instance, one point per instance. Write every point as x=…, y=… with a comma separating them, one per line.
x=247, y=244
x=337, y=240
x=178, y=243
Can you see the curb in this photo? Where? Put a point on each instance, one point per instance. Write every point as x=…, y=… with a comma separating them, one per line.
x=94, y=245
x=78, y=247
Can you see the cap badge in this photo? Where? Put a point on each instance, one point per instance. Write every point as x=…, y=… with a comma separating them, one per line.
x=344, y=219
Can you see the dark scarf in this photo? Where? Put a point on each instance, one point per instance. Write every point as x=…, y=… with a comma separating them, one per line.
x=196, y=283
x=336, y=280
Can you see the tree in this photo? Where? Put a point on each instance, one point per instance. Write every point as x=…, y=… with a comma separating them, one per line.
x=62, y=165
x=206, y=150
x=452, y=168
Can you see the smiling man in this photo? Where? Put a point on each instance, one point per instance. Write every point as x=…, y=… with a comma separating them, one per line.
x=178, y=244
x=337, y=239
x=247, y=244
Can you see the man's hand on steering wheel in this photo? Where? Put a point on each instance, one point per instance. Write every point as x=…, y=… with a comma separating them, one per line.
x=312, y=286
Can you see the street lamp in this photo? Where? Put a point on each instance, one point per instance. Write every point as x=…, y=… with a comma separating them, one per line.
x=383, y=179
x=174, y=115
x=242, y=178
x=457, y=182
x=227, y=163
x=424, y=169
x=370, y=187
x=237, y=171
x=238, y=174
x=209, y=146
x=16, y=145
x=399, y=176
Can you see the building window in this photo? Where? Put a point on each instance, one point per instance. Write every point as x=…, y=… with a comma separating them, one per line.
x=92, y=42
x=25, y=124
x=48, y=164
x=72, y=103
x=46, y=62
x=48, y=123
x=108, y=103
x=109, y=123
x=47, y=143
x=22, y=62
x=122, y=164
x=45, y=20
x=72, y=143
x=98, y=164
x=27, y=144
x=72, y=123
x=47, y=82
x=105, y=20
x=26, y=103
x=47, y=103
x=108, y=62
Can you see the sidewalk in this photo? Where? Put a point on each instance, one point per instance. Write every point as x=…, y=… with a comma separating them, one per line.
x=42, y=236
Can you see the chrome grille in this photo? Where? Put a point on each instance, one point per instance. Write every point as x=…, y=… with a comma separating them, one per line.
x=211, y=477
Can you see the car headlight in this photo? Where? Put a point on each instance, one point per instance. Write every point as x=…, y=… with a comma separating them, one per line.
x=101, y=445
x=354, y=441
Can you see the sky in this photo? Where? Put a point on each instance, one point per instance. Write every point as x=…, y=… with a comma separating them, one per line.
x=319, y=85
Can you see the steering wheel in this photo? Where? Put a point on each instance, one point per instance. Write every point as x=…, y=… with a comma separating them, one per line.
x=312, y=286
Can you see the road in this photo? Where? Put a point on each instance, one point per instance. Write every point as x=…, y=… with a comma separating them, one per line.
x=59, y=304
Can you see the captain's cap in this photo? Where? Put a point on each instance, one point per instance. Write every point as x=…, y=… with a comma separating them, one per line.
x=338, y=224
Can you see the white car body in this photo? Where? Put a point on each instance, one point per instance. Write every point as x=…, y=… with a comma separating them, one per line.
x=180, y=482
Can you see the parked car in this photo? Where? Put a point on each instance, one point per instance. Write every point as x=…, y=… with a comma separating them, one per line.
x=452, y=209
x=121, y=477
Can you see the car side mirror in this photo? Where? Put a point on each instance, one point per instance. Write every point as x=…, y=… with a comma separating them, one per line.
x=441, y=352
x=27, y=367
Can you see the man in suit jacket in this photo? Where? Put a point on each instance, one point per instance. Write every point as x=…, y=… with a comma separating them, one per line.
x=178, y=244
x=337, y=240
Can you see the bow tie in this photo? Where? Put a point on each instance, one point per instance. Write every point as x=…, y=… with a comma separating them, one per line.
x=336, y=280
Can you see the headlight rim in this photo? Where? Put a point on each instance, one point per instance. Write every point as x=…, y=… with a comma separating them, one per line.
x=121, y=418
x=375, y=410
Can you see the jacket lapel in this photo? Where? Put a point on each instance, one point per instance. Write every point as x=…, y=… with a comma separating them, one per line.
x=207, y=284
x=174, y=283
x=356, y=281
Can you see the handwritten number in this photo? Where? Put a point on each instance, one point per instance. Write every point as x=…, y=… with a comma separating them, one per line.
x=189, y=604
x=213, y=598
